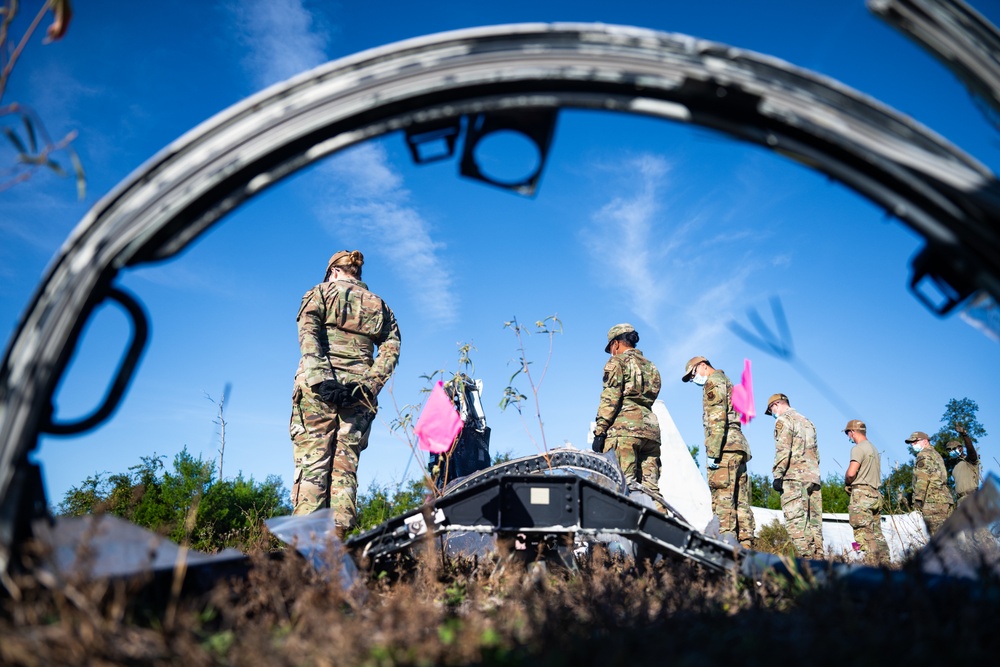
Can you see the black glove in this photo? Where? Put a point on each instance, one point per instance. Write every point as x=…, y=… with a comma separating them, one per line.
x=778, y=484
x=332, y=392
x=598, y=444
x=814, y=487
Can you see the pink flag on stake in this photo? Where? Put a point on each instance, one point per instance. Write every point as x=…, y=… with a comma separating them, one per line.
x=743, y=395
x=439, y=423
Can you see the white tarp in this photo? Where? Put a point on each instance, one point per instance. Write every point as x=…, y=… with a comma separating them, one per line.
x=904, y=533
x=681, y=483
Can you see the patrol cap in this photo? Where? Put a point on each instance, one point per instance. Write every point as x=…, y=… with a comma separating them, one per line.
x=616, y=331
x=856, y=425
x=689, y=367
x=345, y=258
x=953, y=444
x=775, y=397
x=917, y=435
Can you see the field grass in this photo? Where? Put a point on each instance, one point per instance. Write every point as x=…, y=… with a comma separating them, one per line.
x=501, y=612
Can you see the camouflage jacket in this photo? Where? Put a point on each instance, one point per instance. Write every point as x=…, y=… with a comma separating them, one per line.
x=340, y=324
x=930, y=478
x=631, y=384
x=722, y=424
x=796, y=455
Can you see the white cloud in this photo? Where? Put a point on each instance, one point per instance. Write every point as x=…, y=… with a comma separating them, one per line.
x=368, y=195
x=623, y=235
x=283, y=38
x=662, y=249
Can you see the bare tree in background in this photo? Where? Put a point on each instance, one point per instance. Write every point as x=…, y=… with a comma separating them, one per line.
x=220, y=421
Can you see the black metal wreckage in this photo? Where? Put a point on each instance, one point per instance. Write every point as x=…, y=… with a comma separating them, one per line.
x=437, y=90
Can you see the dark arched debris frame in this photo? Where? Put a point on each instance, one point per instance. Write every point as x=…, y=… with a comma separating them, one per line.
x=424, y=83
x=959, y=36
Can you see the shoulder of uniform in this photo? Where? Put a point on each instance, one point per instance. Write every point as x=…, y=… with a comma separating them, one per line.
x=779, y=424
x=313, y=295
x=717, y=379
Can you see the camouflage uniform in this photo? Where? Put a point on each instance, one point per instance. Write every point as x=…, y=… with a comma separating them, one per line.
x=931, y=495
x=724, y=442
x=865, y=508
x=625, y=416
x=340, y=322
x=796, y=462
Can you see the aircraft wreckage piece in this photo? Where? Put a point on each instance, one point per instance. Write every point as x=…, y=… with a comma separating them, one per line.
x=959, y=36
x=481, y=76
x=545, y=513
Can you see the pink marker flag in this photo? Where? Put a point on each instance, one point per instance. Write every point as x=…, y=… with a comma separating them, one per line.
x=439, y=423
x=743, y=395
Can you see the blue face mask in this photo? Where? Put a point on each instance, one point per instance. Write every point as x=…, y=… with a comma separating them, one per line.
x=954, y=453
x=916, y=448
x=699, y=380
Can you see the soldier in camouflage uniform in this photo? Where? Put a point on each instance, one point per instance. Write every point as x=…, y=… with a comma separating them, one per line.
x=864, y=474
x=796, y=476
x=727, y=451
x=625, y=420
x=966, y=471
x=931, y=495
x=334, y=400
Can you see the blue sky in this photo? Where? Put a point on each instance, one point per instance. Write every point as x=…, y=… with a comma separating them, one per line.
x=673, y=228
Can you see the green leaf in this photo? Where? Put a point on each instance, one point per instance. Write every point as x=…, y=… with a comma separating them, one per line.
x=30, y=129
x=15, y=140
x=81, y=177
x=55, y=167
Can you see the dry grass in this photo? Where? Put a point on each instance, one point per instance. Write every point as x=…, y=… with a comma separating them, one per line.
x=498, y=612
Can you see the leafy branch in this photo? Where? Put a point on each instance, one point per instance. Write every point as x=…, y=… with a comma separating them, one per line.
x=512, y=396
x=27, y=133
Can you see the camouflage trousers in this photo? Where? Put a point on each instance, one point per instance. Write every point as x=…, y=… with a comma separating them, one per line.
x=327, y=442
x=865, y=517
x=639, y=459
x=730, y=488
x=935, y=514
x=803, y=518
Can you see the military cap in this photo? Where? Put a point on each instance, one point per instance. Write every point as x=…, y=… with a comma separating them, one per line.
x=855, y=425
x=775, y=397
x=689, y=367
x=953, y=444
x=917, y=435
x=616, y=331
x=345, y=258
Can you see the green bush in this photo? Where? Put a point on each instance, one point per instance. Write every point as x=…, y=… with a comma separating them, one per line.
x=762, y=494
x=225, y=513
x=773, y=538
x=378, y=504
x=835, y=496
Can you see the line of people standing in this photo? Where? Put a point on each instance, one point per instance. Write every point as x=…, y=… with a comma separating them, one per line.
x=626, y=424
